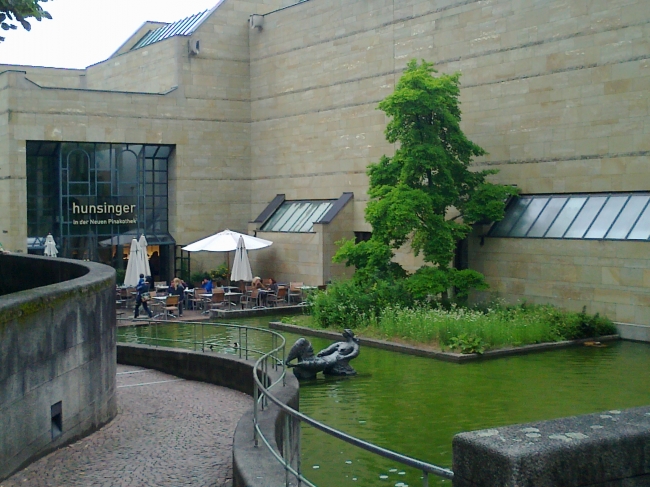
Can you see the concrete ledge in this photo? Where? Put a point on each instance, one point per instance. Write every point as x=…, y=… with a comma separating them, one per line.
x=610, y=449
x=252, y=466
x=637, y=333
x=57, y=350
x=445, y=356
x=248, y=313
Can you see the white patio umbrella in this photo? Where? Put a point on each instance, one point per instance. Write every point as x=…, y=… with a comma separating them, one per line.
x=50, y=246
x=241, y=267
x=135, y=267
x=226, y=241
x=144, y=255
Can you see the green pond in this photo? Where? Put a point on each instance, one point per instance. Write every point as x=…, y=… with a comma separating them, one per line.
x=415, y=405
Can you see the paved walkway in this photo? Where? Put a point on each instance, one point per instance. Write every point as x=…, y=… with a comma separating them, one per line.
x=168, y=432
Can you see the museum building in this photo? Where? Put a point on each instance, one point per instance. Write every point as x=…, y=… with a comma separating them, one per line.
x=261, y=116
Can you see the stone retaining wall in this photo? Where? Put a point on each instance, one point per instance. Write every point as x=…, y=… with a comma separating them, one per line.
x=57, y=355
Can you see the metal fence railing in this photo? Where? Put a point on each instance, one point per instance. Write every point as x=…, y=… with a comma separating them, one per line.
x=273, y=358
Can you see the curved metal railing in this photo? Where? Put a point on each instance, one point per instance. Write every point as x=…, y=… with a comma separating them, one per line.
x=199, y=340
x=289, y=457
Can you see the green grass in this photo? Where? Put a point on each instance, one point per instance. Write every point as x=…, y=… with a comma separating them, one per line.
x=474, y=331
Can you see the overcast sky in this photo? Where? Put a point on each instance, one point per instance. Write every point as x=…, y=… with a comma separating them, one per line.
x=84, y=32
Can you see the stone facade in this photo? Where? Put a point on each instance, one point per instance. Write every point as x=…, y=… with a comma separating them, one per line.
x=555, y=91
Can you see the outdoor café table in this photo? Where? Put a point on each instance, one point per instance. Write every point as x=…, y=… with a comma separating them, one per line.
x=161, y=300
x=206, y=309
x=232, y=298
x=187, y=295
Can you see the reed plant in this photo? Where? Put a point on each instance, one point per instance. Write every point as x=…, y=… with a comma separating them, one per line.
x=471, y=330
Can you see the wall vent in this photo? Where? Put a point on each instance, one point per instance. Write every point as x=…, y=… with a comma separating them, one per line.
x=57, y=419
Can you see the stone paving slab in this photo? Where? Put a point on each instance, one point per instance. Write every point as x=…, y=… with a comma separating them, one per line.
x=168, y=432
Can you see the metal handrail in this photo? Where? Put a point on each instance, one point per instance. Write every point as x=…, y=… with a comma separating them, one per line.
x=426, y=468
x=262, y=394
x=243, y=349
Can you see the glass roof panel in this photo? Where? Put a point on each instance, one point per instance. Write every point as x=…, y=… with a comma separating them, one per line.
x=566, y=216
x=585, y=217
x=628, y=217
x=606, y=217
x=595, y=216
x=528, y=217
x=514, y=211
x=297, y=216
x=641, y=230
x=547, y=217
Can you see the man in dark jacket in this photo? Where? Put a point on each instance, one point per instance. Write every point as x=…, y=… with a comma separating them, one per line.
x=142, y=287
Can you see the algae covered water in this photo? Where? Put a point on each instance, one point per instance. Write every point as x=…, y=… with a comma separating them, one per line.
x=415, y=405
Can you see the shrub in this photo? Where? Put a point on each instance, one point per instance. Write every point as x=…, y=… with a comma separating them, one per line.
x=348, y=304
x=119, y=276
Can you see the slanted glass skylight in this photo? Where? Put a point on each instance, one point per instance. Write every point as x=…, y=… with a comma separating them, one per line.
x=594, y=216
x=297, y=216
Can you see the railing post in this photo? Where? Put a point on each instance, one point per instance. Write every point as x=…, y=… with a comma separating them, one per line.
x=256, y=394
x=240, y=341
x=286, y=448
x=425, y=478
x=202, y=337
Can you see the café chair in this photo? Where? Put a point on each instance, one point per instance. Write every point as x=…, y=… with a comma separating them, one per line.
x=197, y=299
x=277, y=299
x=218, y=299
x=295, y=291
x=171, y=304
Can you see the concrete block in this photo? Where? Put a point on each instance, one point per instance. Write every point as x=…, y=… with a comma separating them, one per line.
x=610, y=448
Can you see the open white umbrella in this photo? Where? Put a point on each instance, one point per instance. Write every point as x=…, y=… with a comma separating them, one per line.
x=50, y=246
x=226, y=241
x=241, y=267
x=135, y=267
x=144, y=255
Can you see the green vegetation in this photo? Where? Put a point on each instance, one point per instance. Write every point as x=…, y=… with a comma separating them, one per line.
x=12, y=11
x=425, y=195
x=220, y=274
x=119, y=276
x=454, y=327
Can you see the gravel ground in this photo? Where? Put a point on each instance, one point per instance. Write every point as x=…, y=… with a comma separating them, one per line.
x=168, y=432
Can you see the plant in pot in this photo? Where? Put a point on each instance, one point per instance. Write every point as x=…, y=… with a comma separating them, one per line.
x=219, y=275
x=196, y=278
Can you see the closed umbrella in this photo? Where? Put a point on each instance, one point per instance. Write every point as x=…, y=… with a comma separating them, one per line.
x=144, y=255
x=50, y=246
x=241, y=267
x=135, y=267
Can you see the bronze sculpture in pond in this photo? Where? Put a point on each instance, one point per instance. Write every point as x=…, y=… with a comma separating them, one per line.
x=333, y=360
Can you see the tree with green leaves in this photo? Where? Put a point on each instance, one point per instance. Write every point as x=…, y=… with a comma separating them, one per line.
x=425, y=194
x=12, y=11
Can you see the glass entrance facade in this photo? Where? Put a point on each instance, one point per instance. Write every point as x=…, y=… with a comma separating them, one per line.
x=94, y=198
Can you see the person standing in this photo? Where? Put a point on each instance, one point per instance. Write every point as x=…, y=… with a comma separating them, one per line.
x=141, y=288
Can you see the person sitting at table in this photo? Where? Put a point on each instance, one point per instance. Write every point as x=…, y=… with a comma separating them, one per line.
x=207, y=285
x=262, y=289
x=176, y=288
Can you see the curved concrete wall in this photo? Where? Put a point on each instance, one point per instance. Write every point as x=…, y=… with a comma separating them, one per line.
x=252, y=466
x=57, y=355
